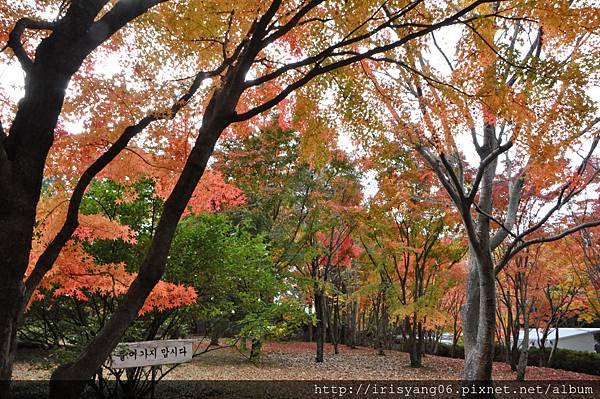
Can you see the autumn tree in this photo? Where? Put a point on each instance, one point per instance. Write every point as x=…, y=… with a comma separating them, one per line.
x=236, y=47
x=508, y=96
x=302, y=195
x=410, y=239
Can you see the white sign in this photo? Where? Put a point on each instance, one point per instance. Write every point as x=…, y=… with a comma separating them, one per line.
x=151, y=353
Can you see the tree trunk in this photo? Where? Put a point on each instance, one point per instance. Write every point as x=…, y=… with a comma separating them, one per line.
x=320, y=330
x=554, y=346
x=334, y=327
x=522, y=365
x=310, y=334
x=414, y=350
x=479, y=322
x=8, y=334
x=22, y=159
x=255, y=350
x=382, y=330
x=454, y=337
x=351, y=339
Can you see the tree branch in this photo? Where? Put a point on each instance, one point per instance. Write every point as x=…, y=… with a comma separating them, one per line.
x=510, y=254
x=46, y=260
x=483, y=166
x=14, y=39
x=119, y=15
x=511, y=214
x=318, y=69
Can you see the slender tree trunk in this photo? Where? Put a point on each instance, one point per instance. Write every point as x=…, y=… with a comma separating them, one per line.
x=414, y=347
x=310, y=333
x=334, y=327
x=382, y=330
x=351, y=341
x=454, y=337
x=523, y=356
x=255, y=350
x=331, y=327
x=554, y=346
x=319, y=308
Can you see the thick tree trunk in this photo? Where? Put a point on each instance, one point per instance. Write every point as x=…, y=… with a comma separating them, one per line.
x=9, y=314
x=470, y=316
x=14, y=250
x=24, y=151
x=22, y=159
x=479, y=323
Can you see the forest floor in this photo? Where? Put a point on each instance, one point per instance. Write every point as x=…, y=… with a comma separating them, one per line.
x=295, y=361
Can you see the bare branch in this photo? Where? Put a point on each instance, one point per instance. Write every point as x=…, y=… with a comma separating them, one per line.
x=442, y=52
x=317, y=69
x=510, y=254
x=483, y=166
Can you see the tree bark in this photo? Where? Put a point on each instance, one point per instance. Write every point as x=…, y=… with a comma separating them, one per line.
x=554, y=346
x=382, y=327
x=479, y=357
x=524, y=354
x=320, y=330
x=414, y=342
x=255, y=350
x=24, y=151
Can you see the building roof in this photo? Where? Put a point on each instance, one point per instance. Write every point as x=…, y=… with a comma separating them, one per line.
x=563, y=332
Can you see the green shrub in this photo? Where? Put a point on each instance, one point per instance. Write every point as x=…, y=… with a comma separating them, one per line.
x=564, y=359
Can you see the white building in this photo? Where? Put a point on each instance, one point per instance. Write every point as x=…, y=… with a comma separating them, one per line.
x=577, y=339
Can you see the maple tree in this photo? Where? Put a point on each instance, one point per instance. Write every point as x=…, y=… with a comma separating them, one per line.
x=238, y=48
x=410, y=240
x=587, y=254
x=492, y=99
x=97, y=267
x=303, y=199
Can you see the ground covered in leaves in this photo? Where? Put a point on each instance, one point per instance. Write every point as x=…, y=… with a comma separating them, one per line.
x=295, y=361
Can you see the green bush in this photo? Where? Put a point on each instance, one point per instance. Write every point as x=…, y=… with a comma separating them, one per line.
x=446, y=351
x=564, y=359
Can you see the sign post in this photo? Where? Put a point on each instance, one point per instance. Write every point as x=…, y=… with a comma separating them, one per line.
x=152, y=353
